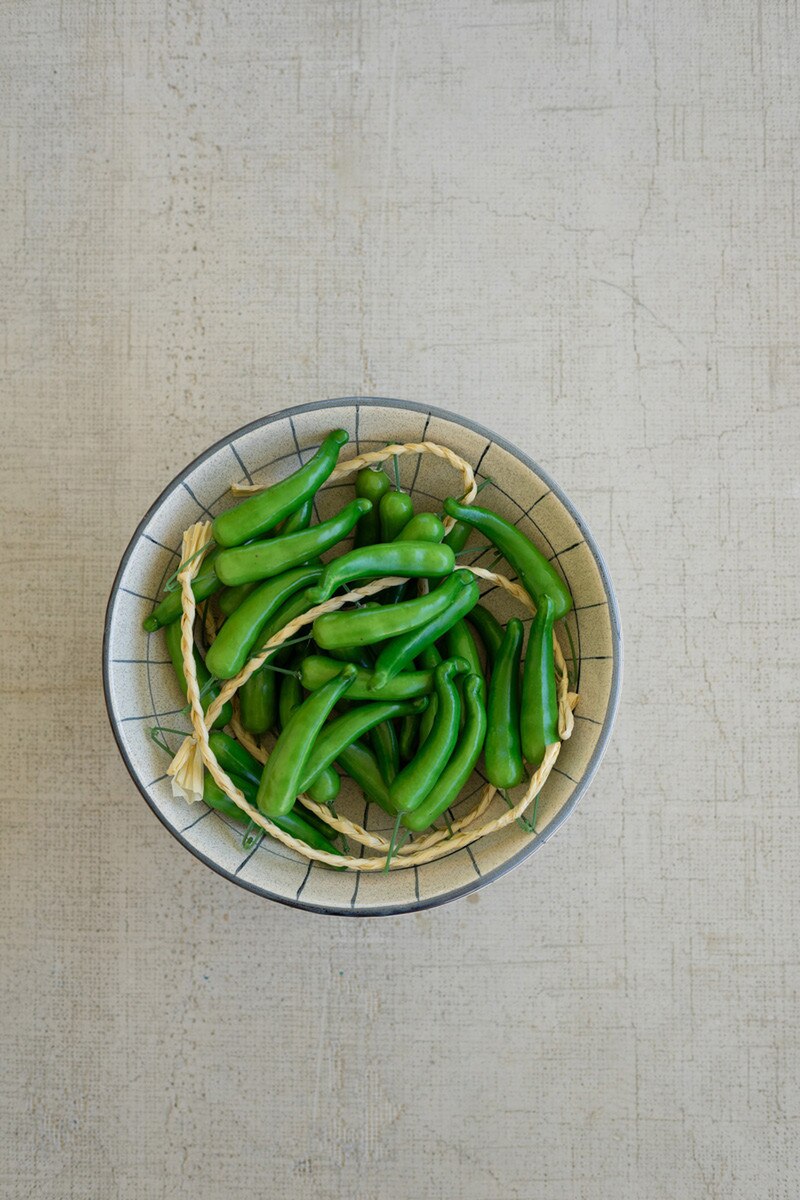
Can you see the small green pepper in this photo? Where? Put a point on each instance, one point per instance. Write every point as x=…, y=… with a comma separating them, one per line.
x=325, y=787
x=262, y=560
x=292, y=823
x=340, y=733
x=363, y=627
x=409, y=736
x=539, y=720
x=240, y=633
x=383, y=739
x=416, y=560
x=360, y=765
x=429, y=659
x=503, y=753
x=262, y=512
x=458, y=536
x=462, y=763
x=460, y=643
x=395, y=511
x=316, y=670
x=490, y=630
x=424, y=527
x=230, y=598
x=208, y=692
x=370, y=485
x=258, y=701
x=204, y=584
x=299, y=519
x=448, y=604
x=537, y=575
x=411, y=785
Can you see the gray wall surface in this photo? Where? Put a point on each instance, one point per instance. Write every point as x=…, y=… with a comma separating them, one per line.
x=577, y=224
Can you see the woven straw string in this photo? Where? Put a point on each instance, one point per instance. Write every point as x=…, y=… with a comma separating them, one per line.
x=195, y=753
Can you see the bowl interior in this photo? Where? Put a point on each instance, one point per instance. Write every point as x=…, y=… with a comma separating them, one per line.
x=141, y=690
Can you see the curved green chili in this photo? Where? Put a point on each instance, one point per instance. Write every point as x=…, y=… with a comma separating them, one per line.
x=299, y=519
x=461, y=644
x=279, y=786
x=325, y=788
x=395, y=511
x=424, y=527
x=262, y=512
x=240, y=633
x=341, y=732
x=537, y=575
x=450, y=602
x=385, y=747
x=370, y=485
x=208, y=691
x=363, y=627
x=360, y=765
x=411, y=785
x=490, y=630
x=428, y=658
x=503, y=752
x=316, y=670
x=539, y=719
x=409, y=736
x=462, y=763
x=204, y=584
x=416, y=560
x=458, y=536
x=261, y=560
x=292, y=822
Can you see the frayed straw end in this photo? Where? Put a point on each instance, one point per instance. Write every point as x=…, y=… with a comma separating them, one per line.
x=186, y=770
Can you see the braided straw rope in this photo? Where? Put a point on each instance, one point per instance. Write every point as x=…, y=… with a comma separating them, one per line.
x=195, y=754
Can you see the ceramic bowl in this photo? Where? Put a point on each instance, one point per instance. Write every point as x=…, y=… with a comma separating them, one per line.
x=141, y=691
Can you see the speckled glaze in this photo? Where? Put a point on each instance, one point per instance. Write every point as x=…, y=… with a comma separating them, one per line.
x=141, y=690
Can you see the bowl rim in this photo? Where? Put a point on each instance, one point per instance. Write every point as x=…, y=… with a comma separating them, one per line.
x=585, y=779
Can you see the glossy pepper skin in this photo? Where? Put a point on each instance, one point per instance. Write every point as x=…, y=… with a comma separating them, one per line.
x=172, y=636
x=417, y=560
x=503, y=751
x=240, y=633
x=429, y=660
x=458, y=536
x=537, y=575
x=395, y=511
x=370, y=485
x=363, y=627
x=462, y=762
x=539, y=719
x=489, y=629
x=262, y=512
x=461, y=644
x=258, y=701
x=360, y=765
x=424, y=527
x=385, y=747
x=342, y=731
x=205, y=583
x=299, y=519
x=263, y=560
x=411, y=785
x=316, y=670
x=448, y=604
x=409, y=736
x=230, y=598
x=292, y=822
x=326, y=784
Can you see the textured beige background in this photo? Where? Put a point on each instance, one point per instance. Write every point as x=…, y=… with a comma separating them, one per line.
x=577, y=222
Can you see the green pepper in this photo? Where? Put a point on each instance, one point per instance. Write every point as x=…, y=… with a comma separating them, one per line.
x=429, y=659
x=416, y=560
x=409, y=736
x=503, y=753
x=363, y=627
x=537, y=575
x=208, y=691
x=539, y=720
x=383, y=739
x=448, y=604
x=361, y=766
x=262, y=512
x=316, y=670
x=261, y=560
x=395, y=511
x=461, y=644
x=231, y=597
x=293, y=823
x=299, y=519
x=340, y=733
x=240, y=633
x=411, y=785
x=458, y=536
x=424, y=527
x=370, y=485
x=204, y=584
x=490, y=630
x=258, y=701
x=325, y=787
x=462, y=763
x=279, y=786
